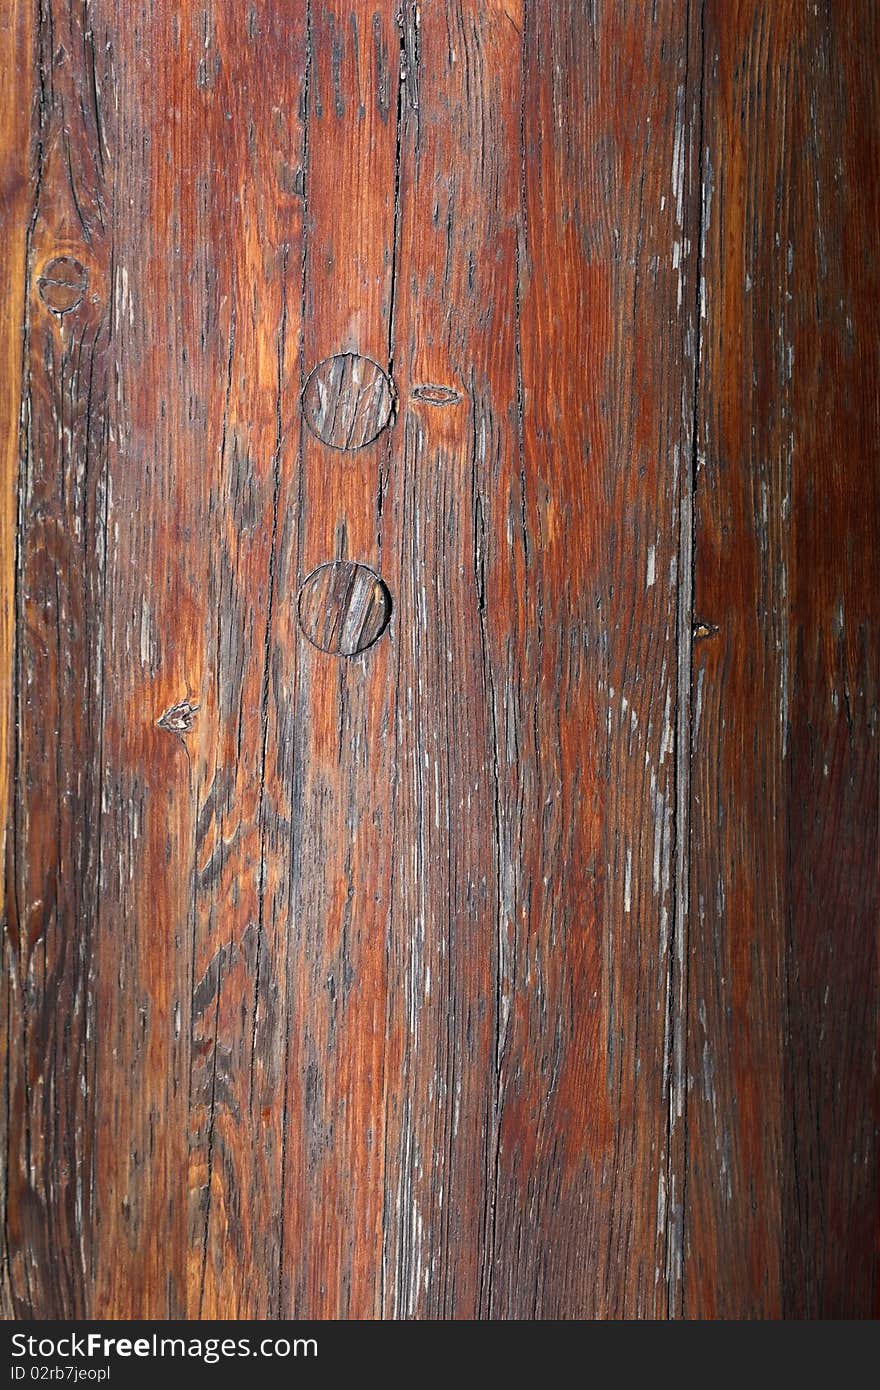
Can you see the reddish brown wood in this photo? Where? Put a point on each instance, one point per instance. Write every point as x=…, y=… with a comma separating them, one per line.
x=783, y=989
x=440, y=636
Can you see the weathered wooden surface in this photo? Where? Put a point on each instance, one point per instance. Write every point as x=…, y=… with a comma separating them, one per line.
x=440, y=632
x=783, y=989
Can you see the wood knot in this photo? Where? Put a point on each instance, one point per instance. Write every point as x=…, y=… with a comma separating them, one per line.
x=347, y=401
x=702, y=630
x=63, y=283
x=343, y=608
x=432, y=394
x=180, y=718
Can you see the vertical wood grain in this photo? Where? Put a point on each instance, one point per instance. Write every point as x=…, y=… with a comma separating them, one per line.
x=514, y=958
x=459, y=177
x=831, y=1196
x=587, y=669
x=57, y=682
x=782, y=1206
x=154, y=659
x=16, y=204
x=16, y=172
x=246, y=239
x=196, y=841
x=341, y=759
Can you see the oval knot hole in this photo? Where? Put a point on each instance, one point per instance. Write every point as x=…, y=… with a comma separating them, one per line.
x=343, y=608
x=432, y=394
x=347, y=401
x=62, y=284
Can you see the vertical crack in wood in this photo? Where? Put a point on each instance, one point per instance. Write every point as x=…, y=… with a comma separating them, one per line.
x=677, y=982
x=403, y=22
x=502, y=949
x=293, y=865
x=493, y=1148
x=267, y=661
